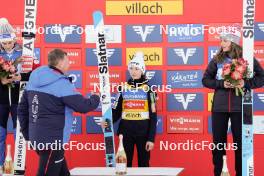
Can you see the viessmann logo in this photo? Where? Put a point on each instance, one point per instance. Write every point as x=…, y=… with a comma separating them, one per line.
x=180, y=124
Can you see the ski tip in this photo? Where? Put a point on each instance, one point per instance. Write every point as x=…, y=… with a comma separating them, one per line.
x=97, y=17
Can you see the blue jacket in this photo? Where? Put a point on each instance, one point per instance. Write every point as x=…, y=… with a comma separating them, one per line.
x=47, y=104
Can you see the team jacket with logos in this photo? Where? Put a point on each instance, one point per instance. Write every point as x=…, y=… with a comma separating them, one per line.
x=135, y=104
x=225, y=100
x=46, y=107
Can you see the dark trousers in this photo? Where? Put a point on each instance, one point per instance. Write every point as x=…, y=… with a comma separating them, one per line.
x=129, y=141
x=4, y=114
x=52, y=163
x=220, y=127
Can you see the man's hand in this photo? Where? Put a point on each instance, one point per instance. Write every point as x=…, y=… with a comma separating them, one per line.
x=149, y=146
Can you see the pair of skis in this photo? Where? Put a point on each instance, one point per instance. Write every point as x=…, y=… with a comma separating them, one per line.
x=27, y=54
x=247, y=100
x=104, y=87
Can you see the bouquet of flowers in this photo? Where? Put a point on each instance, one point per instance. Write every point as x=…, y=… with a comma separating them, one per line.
x=6, y=68
x=236, y=71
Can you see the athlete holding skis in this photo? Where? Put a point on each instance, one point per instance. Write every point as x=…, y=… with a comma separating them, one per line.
x=225, y=102
x=10, y=50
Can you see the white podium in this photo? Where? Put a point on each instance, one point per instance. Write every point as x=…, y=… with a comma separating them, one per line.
x=134, y=171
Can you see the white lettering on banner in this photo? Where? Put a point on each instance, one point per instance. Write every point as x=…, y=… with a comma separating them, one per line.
x=185, y=78
x=72, y=54
x=188, y=30
x=261, y=97
x=183, y=120
x=110, y=76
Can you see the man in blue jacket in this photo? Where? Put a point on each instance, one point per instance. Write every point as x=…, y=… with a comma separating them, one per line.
x=45, y=111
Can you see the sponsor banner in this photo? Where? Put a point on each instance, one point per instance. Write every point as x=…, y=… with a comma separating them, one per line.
x=76, y=76
x=259, y=54
x=258, y=102
x=114, y=56
x=152, y=56
x=185, y=56
x=185, y=79
x=185, y=102
x=92, y=79
x=149, y=33
x=212, y=51
x=184, y=124
x=58, y=33
x=258, y=124
x=112, y=34
x=185, y=33
x=172, y=7
x=259, y=32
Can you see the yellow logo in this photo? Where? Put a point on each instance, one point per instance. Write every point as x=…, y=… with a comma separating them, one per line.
x=210, y=101
x=152, y=56
x=172, y=7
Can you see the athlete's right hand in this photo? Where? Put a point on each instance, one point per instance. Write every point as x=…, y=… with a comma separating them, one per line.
x=228, y=85
x=5, y=80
